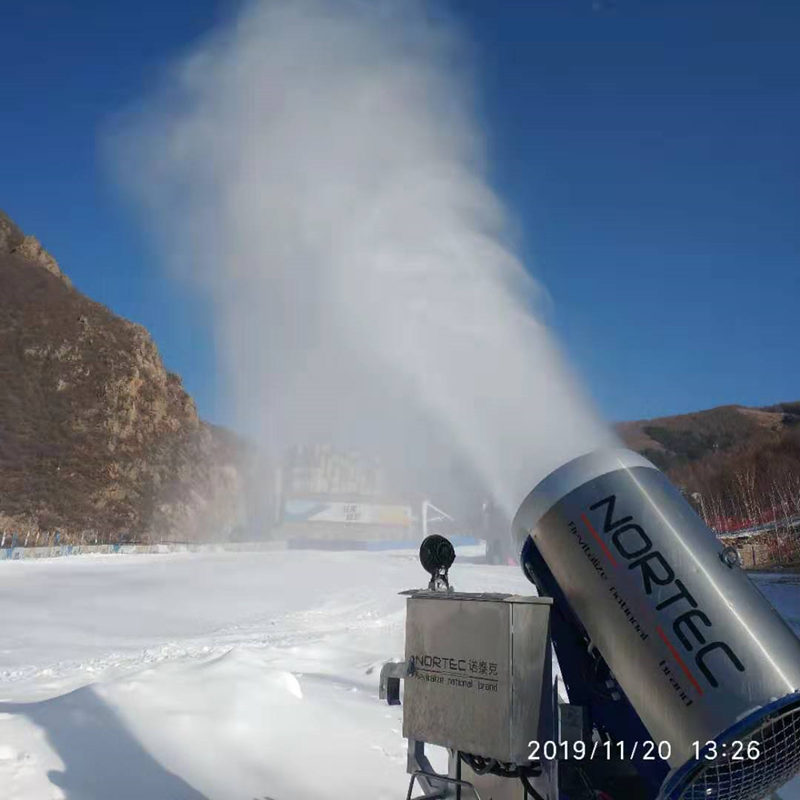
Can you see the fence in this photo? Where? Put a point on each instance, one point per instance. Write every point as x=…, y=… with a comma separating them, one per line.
x=18, y=553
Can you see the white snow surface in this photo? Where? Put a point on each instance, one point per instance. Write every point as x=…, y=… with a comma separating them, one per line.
x=217, y=676
x=238, y=676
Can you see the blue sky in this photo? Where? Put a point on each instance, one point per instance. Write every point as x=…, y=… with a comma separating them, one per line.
x=648, y=152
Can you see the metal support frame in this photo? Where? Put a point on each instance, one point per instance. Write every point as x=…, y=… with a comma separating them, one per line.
x=435, y=785
x=421, y=776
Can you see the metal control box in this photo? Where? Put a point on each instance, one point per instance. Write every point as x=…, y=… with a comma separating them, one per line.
x=480, y=672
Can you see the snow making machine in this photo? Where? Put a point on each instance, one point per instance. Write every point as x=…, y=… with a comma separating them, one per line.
x=675, y=679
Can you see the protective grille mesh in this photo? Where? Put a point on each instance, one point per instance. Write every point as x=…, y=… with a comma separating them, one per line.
x=725, y=779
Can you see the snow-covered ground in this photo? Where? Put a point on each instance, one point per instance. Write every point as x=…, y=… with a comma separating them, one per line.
x=214, y=676
x=189, y=676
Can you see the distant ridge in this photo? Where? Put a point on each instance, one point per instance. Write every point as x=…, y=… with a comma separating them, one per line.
x=743, y=463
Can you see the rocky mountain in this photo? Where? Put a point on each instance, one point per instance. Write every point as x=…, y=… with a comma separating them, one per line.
x=741, y=464
x=97, y=439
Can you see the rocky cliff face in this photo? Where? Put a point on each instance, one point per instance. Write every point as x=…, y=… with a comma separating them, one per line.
x=97, y=439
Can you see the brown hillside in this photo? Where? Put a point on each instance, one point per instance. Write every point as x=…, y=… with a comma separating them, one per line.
x=742, y=463
x=97, y=439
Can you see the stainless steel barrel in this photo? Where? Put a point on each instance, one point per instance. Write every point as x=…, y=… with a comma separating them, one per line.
x=699, y=652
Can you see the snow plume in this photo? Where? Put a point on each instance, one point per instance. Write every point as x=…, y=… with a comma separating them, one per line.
x=317, y=168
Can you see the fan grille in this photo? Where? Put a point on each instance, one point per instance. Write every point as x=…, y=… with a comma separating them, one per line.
x=778, y=740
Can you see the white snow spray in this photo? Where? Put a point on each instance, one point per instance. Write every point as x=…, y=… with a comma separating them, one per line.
x=317, y=168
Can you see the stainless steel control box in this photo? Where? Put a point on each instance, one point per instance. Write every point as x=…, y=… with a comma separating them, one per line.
x=480, y=672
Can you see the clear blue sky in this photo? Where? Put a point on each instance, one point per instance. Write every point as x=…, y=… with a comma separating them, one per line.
x=649, y=151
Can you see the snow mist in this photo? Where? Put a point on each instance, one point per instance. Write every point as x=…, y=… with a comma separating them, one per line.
x=317, y=168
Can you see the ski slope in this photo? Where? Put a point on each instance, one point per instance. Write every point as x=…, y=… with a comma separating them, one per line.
x=238, y=676
x=217, y=676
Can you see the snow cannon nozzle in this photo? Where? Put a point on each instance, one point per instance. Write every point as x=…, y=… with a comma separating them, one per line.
x=437, y=554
